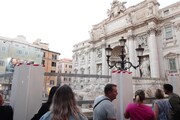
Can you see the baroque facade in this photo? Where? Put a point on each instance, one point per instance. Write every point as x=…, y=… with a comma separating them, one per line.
x=156, y=30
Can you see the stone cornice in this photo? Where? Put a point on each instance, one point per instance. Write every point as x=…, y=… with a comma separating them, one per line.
x=172, y=16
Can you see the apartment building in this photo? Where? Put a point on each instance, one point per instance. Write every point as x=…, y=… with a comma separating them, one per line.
x=50, y=60
x=65, y=66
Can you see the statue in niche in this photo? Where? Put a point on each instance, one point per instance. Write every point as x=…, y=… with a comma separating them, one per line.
x=102, y=31
x=76, y=57
x=177, y=26
x=82, y=60
x=145, y=68
x=99, y=53
x=129, y=19
x=99, y=71
x=150, y=10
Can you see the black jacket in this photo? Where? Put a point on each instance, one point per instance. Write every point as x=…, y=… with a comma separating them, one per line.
x=6, y=112
x=44, y=108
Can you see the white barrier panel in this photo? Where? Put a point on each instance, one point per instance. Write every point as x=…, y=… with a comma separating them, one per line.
x=174, y=80
x=123, y=80
x=26, y=92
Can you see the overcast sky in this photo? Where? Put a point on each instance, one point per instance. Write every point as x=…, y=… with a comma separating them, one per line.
x=61, y=23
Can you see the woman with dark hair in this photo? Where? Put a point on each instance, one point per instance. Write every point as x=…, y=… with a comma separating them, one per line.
x=45, y=107
x=138, y=110
x=6, y=111
x=64, y=106
x=161, y=106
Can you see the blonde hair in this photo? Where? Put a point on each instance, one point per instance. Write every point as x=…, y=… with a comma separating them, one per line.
x=159, y=94
x=64, y=104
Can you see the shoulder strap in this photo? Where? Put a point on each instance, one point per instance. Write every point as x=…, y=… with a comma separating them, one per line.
x=100, y=102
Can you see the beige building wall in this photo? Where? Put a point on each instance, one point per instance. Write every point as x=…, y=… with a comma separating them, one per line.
x=65, y=66
x=50, y=62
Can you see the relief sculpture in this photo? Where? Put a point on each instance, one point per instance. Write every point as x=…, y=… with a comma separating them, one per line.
x=116, y=8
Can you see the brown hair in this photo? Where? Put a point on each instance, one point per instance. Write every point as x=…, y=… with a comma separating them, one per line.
x=159, y=94
x=139, y=96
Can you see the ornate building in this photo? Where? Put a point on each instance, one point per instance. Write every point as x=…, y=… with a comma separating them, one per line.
x=156, y=30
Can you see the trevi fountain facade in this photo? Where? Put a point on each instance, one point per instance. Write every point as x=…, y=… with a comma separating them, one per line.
x=156, y=30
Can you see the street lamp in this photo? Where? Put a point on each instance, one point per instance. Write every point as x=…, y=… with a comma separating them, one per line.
x=123, y=64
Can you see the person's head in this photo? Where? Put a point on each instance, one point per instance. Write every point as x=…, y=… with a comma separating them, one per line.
x=139, y=96
x=110, y=90
x=64, y=104
x=159, y=94
x=1, y=100
x=51, y=93
x=168, y=89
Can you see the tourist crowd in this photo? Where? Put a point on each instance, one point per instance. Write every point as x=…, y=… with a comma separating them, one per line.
x=62, y=105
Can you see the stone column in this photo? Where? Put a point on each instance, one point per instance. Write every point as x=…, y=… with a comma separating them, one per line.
x=86, y=63
x=154, y=60
x=105, y=69
x=132, y=52
x=92, y=62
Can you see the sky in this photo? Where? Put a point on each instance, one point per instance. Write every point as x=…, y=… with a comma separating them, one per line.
x=60, y=23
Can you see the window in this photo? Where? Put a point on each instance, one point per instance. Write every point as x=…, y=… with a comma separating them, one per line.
x=2, y=63
x=3, y=48
x=166, y=12
x=168, y=32
x=52, y=71
x=44, y=54
x=172, y=64
x=43, y=62
x=26, y=53
x=38, y=56
x=70, y=66
x=82, y=71
x=54, y=57
x=53, y=64
x=75, y=71
x=51, y=82
x=19, y=51
x=65, y=66
x=65, y=79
